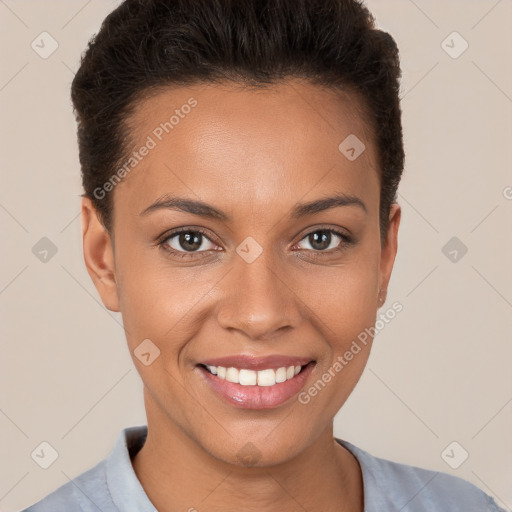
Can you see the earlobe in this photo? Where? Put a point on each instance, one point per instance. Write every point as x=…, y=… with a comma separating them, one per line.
x=389, y=249
x=99, y=256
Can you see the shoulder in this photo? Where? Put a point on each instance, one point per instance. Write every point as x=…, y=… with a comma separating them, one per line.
x=391, y=485
x=88, y=492
x=109, y=486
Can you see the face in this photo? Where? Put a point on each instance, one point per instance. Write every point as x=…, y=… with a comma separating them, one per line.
x=227, y=253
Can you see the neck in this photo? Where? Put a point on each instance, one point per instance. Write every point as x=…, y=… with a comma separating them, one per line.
x=178, y=474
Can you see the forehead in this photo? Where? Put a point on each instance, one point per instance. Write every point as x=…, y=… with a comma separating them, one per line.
x=223, y=143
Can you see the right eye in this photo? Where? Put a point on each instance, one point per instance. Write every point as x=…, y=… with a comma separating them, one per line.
x=186, y=242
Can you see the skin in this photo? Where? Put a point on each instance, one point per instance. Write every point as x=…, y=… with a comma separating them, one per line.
x=254, y=154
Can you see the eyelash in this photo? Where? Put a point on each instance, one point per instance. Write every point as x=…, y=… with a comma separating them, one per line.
x=346, y=240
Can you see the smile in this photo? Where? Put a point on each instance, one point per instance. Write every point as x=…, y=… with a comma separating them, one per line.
x=259, y=388
x=245, y=377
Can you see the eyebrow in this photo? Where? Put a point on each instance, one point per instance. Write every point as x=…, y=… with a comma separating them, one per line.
x=202, y=209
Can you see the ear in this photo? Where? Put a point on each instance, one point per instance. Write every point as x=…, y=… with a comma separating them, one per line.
x=99, y=255
x=388, y=252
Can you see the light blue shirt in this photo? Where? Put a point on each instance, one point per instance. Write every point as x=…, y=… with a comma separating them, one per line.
x=112, y=485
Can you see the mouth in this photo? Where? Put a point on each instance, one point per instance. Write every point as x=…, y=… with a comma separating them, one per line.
x=262, y=378
x=262, y=388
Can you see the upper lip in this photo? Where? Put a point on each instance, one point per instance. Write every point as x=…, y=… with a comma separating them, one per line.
x=257, y=362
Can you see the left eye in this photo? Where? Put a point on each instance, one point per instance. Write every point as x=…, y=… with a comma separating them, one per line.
x=321, y=239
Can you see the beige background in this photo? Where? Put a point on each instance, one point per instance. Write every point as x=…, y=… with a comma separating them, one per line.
x=439, y=372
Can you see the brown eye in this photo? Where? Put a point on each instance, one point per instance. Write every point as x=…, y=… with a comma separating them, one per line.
x=188, y=241
x=325, y=239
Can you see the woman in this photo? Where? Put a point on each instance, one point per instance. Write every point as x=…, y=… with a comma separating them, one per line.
x=240, y=163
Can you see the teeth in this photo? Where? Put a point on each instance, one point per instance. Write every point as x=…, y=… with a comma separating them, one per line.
x=246, y=377
x=232, y=375
x=281, y=374
x=266, y=377
x=252, y=378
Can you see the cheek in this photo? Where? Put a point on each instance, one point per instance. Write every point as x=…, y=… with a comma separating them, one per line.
x=153, y=297
x=344, y=302
x=344, y=313
x=163, y=303
x=344, y=298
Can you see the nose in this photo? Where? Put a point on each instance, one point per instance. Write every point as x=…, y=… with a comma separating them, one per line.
x=258, y=299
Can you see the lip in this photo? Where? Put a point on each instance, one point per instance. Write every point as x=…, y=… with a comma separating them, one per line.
x=257, y=397
x=249, y=362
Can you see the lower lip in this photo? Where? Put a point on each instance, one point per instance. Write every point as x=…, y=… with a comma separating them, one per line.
x=257, y=397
